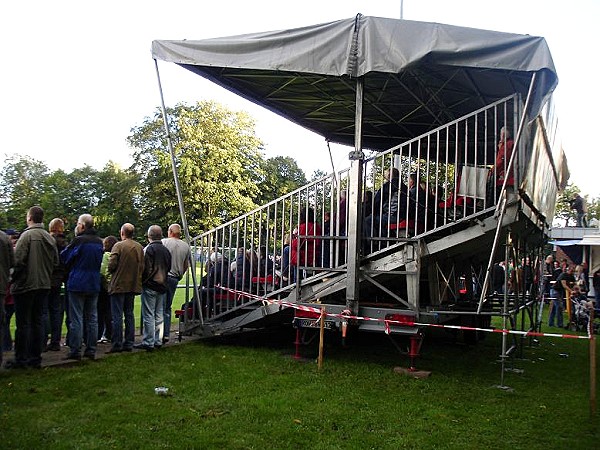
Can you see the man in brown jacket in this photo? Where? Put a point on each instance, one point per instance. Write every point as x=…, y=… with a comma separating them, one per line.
x=126, y=264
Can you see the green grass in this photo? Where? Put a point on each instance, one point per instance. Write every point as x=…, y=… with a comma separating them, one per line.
x=247, y=393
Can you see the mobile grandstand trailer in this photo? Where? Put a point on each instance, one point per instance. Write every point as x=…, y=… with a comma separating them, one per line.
x=424, y=99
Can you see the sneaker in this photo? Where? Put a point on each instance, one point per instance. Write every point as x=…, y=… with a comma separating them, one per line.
x=90, y=355
x=165, y=339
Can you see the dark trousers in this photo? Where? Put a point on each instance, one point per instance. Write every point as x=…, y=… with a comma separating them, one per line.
x=53, y=316
x=7, y=342
x=30, y=329
x=122, y=306
x=2, y=325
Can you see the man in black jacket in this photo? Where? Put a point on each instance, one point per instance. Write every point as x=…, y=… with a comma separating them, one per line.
x=157, y=263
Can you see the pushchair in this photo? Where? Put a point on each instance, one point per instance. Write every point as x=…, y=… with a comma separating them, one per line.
x=580, y=314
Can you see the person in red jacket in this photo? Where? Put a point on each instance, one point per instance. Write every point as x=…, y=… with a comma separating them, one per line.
x=501, y=171
x=306, y=244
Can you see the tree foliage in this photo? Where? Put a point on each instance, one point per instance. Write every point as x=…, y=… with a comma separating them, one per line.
x=21, y=186
x=217, y=157
x=564, y=215
x=280, y=175
x=222, y=174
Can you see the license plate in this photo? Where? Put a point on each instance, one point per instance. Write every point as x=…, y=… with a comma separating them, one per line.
x=313, y=323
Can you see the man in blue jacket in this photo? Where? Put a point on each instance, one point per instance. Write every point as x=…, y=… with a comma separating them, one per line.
x=83, y=258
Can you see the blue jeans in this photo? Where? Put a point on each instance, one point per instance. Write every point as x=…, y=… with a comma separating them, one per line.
x=171, y=289
x=122, y=304
x=557, y=309
x=83, y=308
x=152, y=316
x=28, y=336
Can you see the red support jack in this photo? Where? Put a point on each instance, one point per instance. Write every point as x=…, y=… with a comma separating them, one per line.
x=297, y=343
x=415, y=347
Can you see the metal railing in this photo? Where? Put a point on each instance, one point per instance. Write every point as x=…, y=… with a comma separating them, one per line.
x=448, y=174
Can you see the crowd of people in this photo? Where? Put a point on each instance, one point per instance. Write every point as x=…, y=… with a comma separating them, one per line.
x=93, y=280
x=565, y=283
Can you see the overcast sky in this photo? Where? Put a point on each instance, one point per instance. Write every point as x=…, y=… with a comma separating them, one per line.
x=78, y=75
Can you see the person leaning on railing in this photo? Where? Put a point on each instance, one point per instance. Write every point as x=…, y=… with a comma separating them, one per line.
x=501, y=171
x=306, y=243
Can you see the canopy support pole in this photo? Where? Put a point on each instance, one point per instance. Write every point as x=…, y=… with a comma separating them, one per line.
x=502, y=204
x=354, y=206
x=178, y=190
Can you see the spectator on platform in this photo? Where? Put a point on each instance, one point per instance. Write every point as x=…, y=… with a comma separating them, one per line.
x=367, y=204
x=421, y=203
x=245, y=268
x=527, y=274
x=285, y=261
x=328, y=230
x=498, y=277
x=306, y=243
x=265, y=263
x=389, y=205
x=340, y=224
x=578, y=204
x=217, y=271
x=501, y=171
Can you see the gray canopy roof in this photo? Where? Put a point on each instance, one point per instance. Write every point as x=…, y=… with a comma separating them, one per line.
x=417, y=75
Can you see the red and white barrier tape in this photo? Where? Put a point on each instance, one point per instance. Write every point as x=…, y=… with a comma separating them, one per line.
x=346, y=315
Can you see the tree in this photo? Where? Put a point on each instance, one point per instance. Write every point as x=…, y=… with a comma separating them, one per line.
x=593, y=213
x=563, y=206
x=21, y=187
x=218, y=160
x=117, y=196
x=280, y=175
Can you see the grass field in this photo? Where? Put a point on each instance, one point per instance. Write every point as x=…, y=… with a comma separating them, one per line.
x=248, y=393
